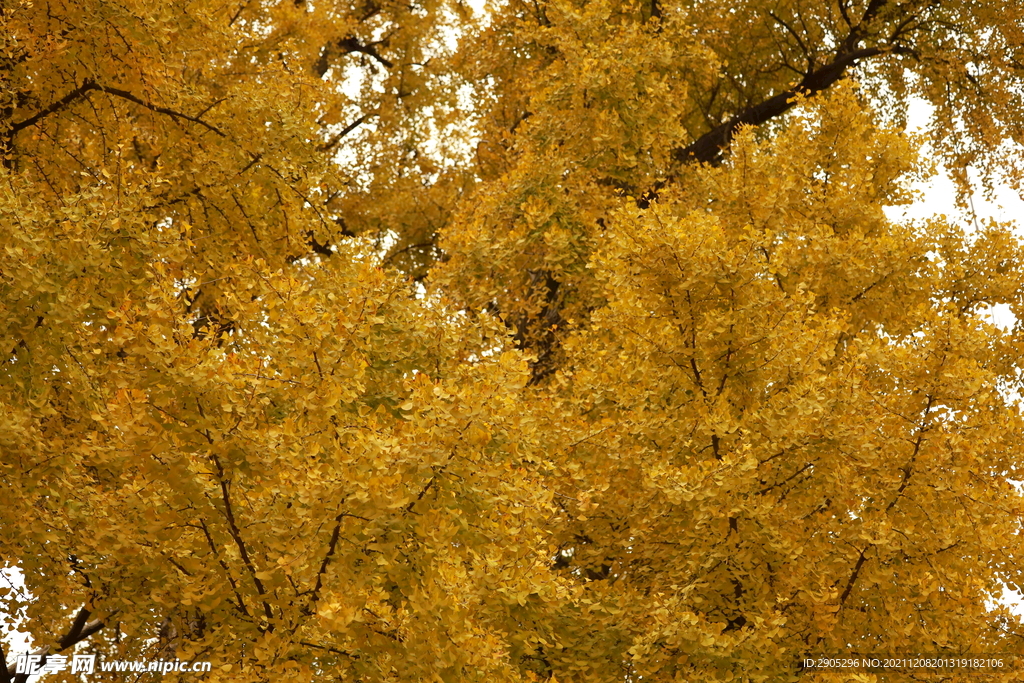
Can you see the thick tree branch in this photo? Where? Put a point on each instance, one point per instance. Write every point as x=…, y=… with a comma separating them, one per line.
x=331, y=548
x=708, y=148
x=350, y=45
x=347, y=46
x=861, y=559
x=80, y=629
x=330, y=144
x=55, y=107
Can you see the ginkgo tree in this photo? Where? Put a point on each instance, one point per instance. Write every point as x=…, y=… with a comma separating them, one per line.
x=403, y=341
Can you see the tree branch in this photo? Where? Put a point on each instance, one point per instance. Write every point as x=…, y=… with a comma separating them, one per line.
x=708, y=148
x=328, y=649
x=350, y=45
x=327, y=146
x=80, y=629
x=908, y=471
x=242, y=549
x=347, y=46
x=853, y=576
x=799, y=41
x=5, y=673
x=124, y=94
x=63, y=102
x=81, y=91
x=227, y=571
x=331, y=547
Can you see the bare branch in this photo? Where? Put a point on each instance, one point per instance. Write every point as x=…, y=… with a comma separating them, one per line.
x=330, y=144
x=799, y=41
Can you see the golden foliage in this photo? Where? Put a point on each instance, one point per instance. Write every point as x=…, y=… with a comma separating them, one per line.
x=566, y=342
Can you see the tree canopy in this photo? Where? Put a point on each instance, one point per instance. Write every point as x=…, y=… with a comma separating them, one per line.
x=396, y=340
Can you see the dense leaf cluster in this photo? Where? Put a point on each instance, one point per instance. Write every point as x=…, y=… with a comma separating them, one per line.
x=399, y=341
